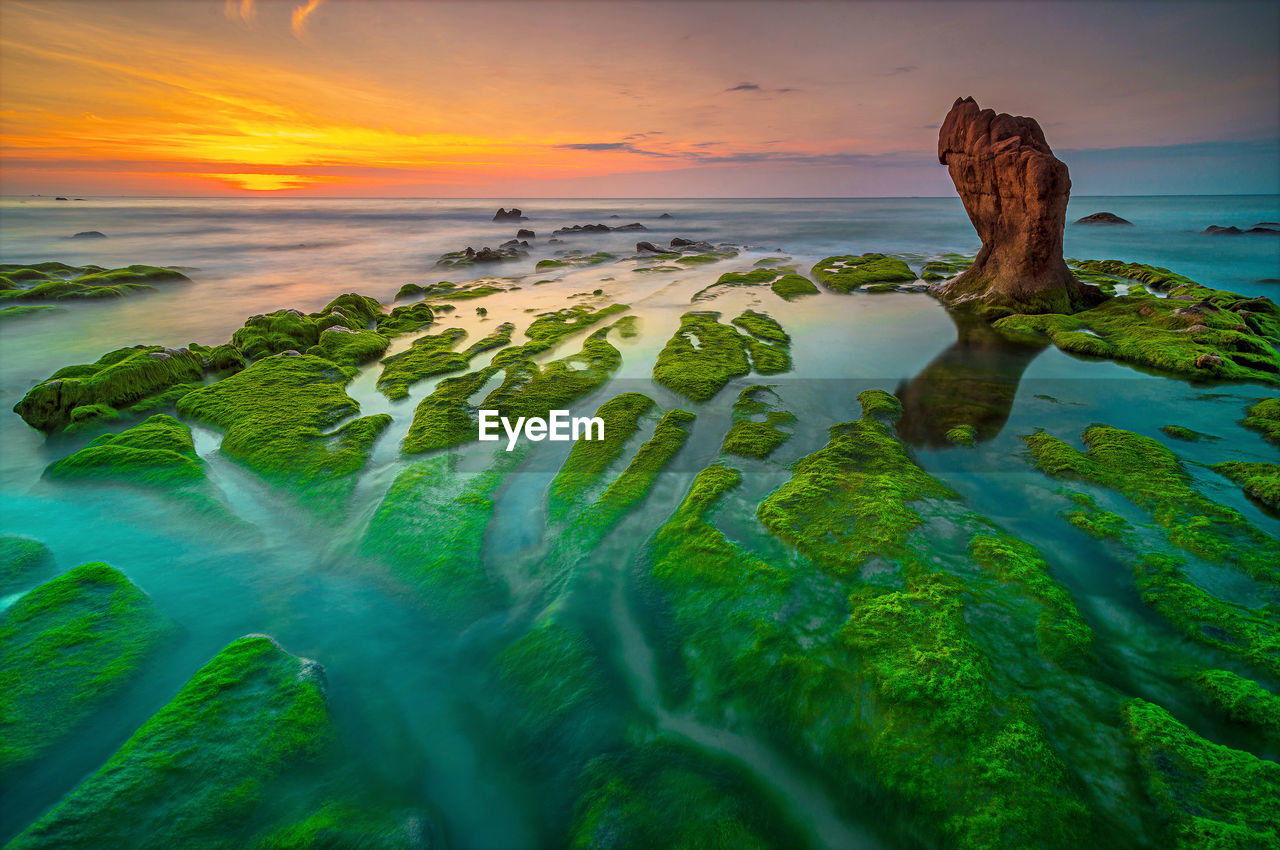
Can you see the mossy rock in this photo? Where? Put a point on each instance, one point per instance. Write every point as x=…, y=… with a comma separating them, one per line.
x=848, y=272
x=1207, y=795
x=1187, y=435
x=699, y=371
x=58, y=281
x=23, y=562
x=589, y=459
x=755, y=437
x=116, y=380
x=736, y=280
x=1264, y=417
x=158, y=453
x=206, y=769
x=1241, y=700
x=792, y=286
x=962, y=435
x=65, y=648
x=1259, y=481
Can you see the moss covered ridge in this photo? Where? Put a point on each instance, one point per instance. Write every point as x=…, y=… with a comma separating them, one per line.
x=207, y=763
x=65, y=647
x=705, y=354
x=58, y=281
x=1195, y=332
x=754, y=437
x=847, y=272
x=158, y=452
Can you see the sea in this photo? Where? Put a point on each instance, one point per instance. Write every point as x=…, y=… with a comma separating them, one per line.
x=409, y=696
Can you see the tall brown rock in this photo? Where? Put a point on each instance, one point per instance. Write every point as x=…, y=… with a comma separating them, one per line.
x=1015, y=192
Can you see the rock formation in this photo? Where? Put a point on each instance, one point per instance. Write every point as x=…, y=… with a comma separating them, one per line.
x=1103, y=218
x=1015, y=192
x=513, y=214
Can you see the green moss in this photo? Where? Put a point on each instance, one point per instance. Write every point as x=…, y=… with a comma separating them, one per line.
x=589, y=459
x=1062, y=634
x=429, y=529
x=64, y=648
x=1197, y=332
x=792, y=286
x=705, y=258
x=159, y=452
x=1240, y=699
x=406, y=319
x=278, y=415
x=851, y=499
x=735, y=280
x=1095, y=521
x=1177, y=432
x=273, y=333
x=699, y=371
x=847, y=273
x=466, y=292
x=1238, y=631
x=962, y=435
x=48, y=281
x=1264, y=417
x=666, y=793
x=574, y=258
x=13, y=311
x=769, y=344
x=757, y=438
x=943, y=269
x=338, y=825
x=118, y=379
x=638, y=478
x=22, y=562
x=350, y=347
x=1152, y=477
x=434, y=355
x=1207, y=795
x=1260, y=481
x=531, y=389
x=206, y=767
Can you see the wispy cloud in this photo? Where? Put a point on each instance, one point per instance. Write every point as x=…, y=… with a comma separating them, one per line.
x=246, y=10
x=299, y=18
x=744, y=87
x=901, y=69
x=626, y=147
x=756, y=87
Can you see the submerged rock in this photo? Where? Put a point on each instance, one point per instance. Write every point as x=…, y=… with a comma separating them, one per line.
x=1263, y=229
x=599, y=228
x=1015, y=192
x=58, y=281
x=1103, y=218
x=23, y=562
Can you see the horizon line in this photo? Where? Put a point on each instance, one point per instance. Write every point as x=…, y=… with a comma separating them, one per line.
x=509, y=198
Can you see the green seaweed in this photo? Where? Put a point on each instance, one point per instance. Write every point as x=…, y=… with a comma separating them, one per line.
x=847, y=272
x=434, y=355
x=22, y=562
x=1259, y=481
x=1187, y=435
x=1208, y=795
x=65, y=647
x=158, y=453
x=588, y=459
x=792, y=286
x=1242, y=700
x=702, y=370
x=50, y=281
x=1095, y=521
x=1264, y=417
x=204, y=770
x=756, y=438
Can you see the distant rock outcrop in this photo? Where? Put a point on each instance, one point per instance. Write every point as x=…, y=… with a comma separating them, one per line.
x=89, y=234
x=1103, y=218
x=1015, y=192
x=1261, y=229
x=513, y=214
x=599, y=228
x=524, y=233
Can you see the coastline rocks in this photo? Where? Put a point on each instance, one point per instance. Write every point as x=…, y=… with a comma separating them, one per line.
x=1103, y=218
x=599, y=228
x=509, y=250
x=513, y=214
x=1015, y=192
x=525, y=233
x=1261, y=229
x=649, y=248
x=666, y=215
x=89, y=234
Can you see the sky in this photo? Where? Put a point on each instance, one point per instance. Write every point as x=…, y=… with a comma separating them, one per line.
x=594, y=98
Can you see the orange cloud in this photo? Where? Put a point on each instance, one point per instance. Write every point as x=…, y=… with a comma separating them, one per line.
x=301, y=13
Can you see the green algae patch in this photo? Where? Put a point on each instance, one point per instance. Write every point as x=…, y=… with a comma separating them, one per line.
x=434, y=355
x=634, y=483
x=705, y=258
x=65, y=647
x=531, y=389
x=1152, y=477
x=159, y=452
x=1251, y=636
x=204, y=770
x=851, y=499
x=277, y=415
x=945, y=268
x=1241, y=700
x=847, y=273
x=1187, y=435
x=1195, y=332
x=58, y=281
x=339, y=825
x=1095, y=521
x=701, y=357
x=96, y=391
x=1207, y=795
x=1062, y=634
x=1264, y=417
x=13, y=311
x=407, y=318
x=589, y=459
x=792, y=286
x=667, y=793
x=570, y=259
x=429, y=529
x=350, y=347
x=753, y=437
x=23, y=562
x=769, y=344
x=1259, y=481
x=961, y=435
x=736, y=280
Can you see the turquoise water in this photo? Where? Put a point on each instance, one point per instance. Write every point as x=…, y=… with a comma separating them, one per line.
x=414, y=701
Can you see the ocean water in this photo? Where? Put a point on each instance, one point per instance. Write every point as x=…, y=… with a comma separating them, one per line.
x=414, y=707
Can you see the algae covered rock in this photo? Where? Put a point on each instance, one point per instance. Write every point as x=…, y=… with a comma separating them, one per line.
x=118, y=379
x=206, y=768
x=158, y=452
x=59, y=281
x=65, y=647
x=1260, y=481
x=1264, y=417
x=23, y=562
x=755, y=437
x=847, y=273
x=704, y=354
x=1207, y=794
x=1243, y=700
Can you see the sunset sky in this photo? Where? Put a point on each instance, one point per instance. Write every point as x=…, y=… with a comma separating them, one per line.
x=622, y=99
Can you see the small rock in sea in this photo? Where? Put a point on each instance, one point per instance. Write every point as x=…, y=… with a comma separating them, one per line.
x=1215, y=230
x=525, y=233
x=89, y=234
x=642, y=247
x=513, y=214
x=1103, y=218
x=615, y=216
x=59, y=199
x=1261, y=229
x=666, y=215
